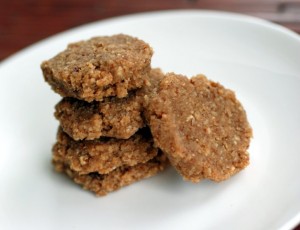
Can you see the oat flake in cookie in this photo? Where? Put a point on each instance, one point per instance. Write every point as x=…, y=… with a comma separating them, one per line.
x=201, y=126
x=99, y=67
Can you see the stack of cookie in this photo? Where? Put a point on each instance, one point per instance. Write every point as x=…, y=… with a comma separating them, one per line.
x=121, y=121
x=103, y=142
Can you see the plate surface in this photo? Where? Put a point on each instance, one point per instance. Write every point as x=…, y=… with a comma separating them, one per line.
x=257, y=59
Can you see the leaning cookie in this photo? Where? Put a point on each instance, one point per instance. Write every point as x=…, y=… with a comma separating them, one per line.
x=113, y=117
x=106, y=154
x=100, y=67
x=101, y=184
x=201, y=126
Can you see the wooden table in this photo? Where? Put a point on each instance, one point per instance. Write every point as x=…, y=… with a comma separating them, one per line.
x=23, y=22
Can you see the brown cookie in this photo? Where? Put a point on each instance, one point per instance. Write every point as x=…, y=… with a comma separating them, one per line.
x=201, y=126
x=101, y=184
x=99, y=67
x=146, y=92
x=113, y=117
x=104, y=155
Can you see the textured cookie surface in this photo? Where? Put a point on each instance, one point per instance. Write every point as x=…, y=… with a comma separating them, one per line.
x=104, y=155
x=99, y=67
x=113, y=117
x=201, y=126
x=101, y=184
x=145, y=93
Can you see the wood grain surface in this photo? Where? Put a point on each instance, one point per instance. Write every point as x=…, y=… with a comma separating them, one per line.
x=23, y=22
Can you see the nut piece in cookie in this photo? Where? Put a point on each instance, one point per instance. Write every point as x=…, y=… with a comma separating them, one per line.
x=201, y=126
x=100, y=67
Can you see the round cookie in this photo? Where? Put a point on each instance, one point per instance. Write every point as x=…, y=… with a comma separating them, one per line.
x=113, y=117
x=99, y=67
x=201, y=126
x=104, y=155
x=101, y=184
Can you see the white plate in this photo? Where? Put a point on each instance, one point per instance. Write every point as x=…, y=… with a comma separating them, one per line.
x=257, y=59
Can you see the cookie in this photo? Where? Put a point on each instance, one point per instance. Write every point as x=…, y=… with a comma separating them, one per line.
x=146, y=92
x=101, y=184
x=113, y=117
x=201, y=126
x=105, y=154
x=99, y=67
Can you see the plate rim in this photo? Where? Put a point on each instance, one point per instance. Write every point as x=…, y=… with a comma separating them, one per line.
x=165, y=13
x=294, y=221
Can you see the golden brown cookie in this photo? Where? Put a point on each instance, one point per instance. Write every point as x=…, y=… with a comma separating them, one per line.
x=113, y=117
x=101, y=184
x=105, y=154
x=201, y=126
x=99, y=67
